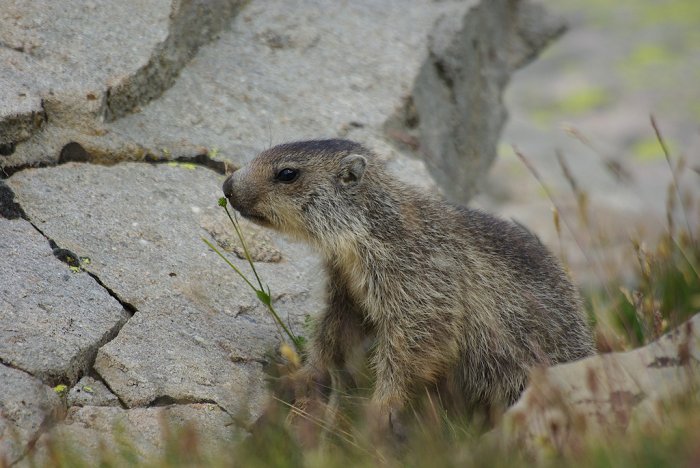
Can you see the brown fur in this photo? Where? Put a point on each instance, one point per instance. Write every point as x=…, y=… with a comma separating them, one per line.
x=451, y=296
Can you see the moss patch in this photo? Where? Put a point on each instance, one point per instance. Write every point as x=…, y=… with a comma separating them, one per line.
x=648, y=149
x=584, y=100
x=580, y=102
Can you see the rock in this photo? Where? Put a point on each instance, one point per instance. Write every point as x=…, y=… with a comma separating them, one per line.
x=567, y=403
x=53, y=319
x=91, y=392
x=20, y=117
x=198, y=333
x=137, y=435
x=191, y=25
x=285, y=71
x=288, y=71
x=27, y=407
x=59, y=63
x=260, y=246
x=288, y=82
x=456, y=112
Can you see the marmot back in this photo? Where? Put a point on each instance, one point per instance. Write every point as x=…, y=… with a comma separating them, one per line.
x=451, y=295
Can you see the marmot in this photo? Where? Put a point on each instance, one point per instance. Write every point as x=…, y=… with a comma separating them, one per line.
x=451, y=296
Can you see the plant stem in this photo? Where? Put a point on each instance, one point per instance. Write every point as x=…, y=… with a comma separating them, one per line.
x=263, y=296
x=235, y=268
x=266, y=301
x=245, y=247
x=294, y=338
x=674, y=179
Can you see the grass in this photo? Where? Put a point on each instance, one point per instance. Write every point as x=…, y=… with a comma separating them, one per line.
x=261, y=292
x=663, y=292
x=666, y=291
x=671, y=443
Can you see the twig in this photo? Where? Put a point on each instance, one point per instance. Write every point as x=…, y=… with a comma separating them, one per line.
x=667, y=154
x=346, y=436
x=581, y=199
x=550, y=195
x=615, y=167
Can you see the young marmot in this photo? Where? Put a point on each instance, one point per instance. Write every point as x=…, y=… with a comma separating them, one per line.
x=450, y=295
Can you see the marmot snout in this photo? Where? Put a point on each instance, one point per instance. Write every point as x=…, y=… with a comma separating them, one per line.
x=451, y=296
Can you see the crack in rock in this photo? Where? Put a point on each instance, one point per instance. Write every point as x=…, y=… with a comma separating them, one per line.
x=166, y=400
x=191, y=26
x=79, y=78
x=77, y=350
x=9, y=208
x=74, y=261
x=75, y=152
x=8, y=171
x=127, y=306
x=99, y=377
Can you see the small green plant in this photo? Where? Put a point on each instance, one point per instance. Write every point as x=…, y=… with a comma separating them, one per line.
x=260, y=291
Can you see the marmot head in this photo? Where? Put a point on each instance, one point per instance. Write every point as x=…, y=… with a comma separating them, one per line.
x=311, y=190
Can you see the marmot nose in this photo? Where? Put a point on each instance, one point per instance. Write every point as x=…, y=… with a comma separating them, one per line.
x=228, y=187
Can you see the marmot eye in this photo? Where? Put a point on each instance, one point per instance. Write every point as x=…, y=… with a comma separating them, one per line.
x=287, y=175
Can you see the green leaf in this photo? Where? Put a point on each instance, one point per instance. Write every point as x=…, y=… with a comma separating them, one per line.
x=222, y=201
x=263, y=296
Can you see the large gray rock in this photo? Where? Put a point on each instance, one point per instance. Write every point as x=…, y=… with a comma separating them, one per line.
x=192, y=23
x=294, y=70
x=198, y=333
x=569, y=403
x=73, y=64
x=27, y=407
x=285, y=71
x=52, y=319
x=138, y=435
x=456, y=110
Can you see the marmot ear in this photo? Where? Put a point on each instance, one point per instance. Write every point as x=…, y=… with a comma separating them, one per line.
x=352, y=167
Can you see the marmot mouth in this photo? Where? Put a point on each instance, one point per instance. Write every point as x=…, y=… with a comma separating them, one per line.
x=254, y=217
